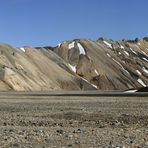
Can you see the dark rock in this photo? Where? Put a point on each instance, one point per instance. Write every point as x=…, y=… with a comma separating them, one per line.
x=60, y=131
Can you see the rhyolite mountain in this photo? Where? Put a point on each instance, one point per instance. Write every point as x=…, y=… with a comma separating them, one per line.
x=80, y=64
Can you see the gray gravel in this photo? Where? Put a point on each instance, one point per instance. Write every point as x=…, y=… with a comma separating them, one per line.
x=87, y=122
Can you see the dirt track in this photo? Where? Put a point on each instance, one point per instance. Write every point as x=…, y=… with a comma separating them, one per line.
x=50, y=121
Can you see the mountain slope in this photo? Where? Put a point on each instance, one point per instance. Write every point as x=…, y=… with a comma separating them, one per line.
x=74, y=65
x=108, y=64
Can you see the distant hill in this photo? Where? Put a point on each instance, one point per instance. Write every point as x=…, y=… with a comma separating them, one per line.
x=80, y=64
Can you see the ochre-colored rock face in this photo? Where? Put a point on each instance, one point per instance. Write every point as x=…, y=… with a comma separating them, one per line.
x=75, y=65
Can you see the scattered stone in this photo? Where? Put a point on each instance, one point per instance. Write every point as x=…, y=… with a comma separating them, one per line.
x=60, y=131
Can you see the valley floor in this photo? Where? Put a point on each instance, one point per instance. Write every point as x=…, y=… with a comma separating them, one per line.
x=28, y=121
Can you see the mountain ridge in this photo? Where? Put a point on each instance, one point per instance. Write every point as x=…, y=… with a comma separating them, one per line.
x=80, y=64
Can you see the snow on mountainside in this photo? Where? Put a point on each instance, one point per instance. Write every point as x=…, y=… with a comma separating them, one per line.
x=76, y=65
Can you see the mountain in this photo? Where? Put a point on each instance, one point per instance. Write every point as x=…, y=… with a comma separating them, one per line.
x=80, y=64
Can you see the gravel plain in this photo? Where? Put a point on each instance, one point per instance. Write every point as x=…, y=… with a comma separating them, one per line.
x=73, y=121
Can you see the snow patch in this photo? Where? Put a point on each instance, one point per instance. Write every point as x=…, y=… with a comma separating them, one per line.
x=139, y=73
x=119, y=53
x=108, y=44
x=145, y=70
x=133, y=51
x=23, y=49
x=131, y=91
x=94, y=85
x=121, y=66
x=71, y=45
x=73, y=68
x=121, y=47
x=141, y=82
x=81, y=49
x=90, y=83
x=145, y=59
x=108, y=55
x=59, y=45
x=96, y=72
x=126, y=53
x=144, y=53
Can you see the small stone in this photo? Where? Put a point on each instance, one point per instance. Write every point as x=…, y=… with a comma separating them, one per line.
x=4, y=123
x=60, y=131
x=16, y=145
x=11, y=130
x=131, y=141
x=70, y=136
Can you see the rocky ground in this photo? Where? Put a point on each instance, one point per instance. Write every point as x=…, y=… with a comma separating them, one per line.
x=85, y=122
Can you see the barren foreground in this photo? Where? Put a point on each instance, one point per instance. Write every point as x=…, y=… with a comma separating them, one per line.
x=60, y=121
